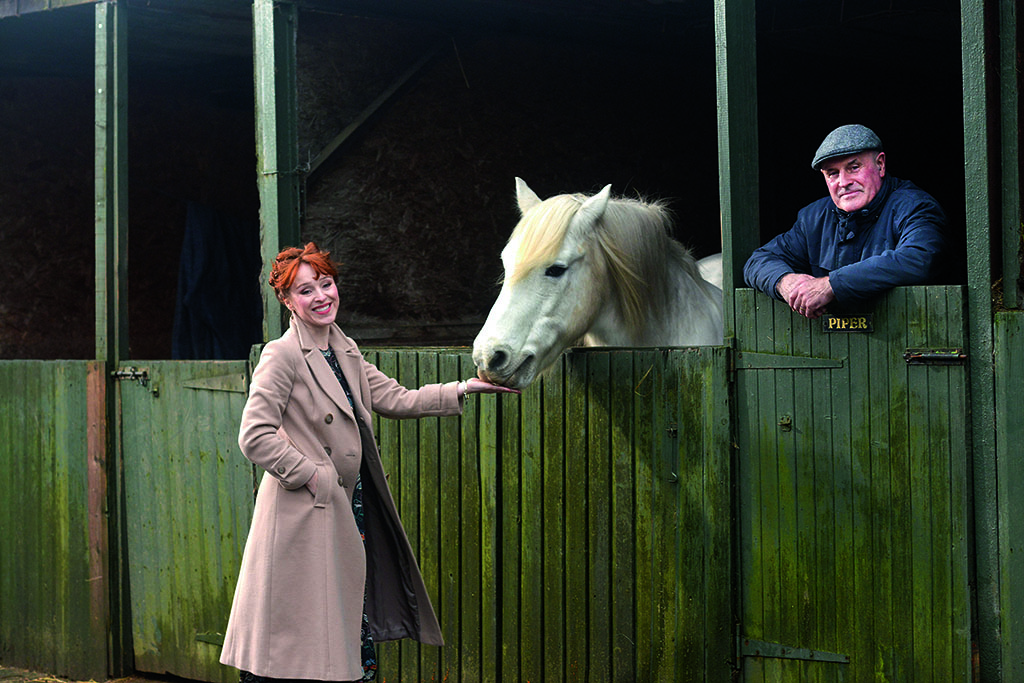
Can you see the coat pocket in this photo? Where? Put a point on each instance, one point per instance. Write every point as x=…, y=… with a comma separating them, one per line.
x=323, y=490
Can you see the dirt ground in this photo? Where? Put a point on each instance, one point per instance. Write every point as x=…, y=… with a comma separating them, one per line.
x=14, y=675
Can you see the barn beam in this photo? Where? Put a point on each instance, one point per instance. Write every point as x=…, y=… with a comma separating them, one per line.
x=736, y=75
x=369, y=112
x=275, y=30
x=17, y=8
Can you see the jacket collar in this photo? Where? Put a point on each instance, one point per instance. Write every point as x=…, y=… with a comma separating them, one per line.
x=344, y=349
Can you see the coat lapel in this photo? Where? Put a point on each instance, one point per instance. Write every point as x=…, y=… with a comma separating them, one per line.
x=322, y=372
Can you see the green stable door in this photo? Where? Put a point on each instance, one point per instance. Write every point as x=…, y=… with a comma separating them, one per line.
x=853, y=491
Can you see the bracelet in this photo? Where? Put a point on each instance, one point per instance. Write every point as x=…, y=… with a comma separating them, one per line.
x=462, y=388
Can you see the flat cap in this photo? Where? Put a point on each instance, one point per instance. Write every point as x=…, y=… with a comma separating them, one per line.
x=844, y=141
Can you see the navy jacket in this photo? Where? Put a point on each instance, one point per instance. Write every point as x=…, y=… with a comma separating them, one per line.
x=895, y=240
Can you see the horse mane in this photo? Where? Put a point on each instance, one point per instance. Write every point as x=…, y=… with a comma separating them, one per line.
x=633, y=239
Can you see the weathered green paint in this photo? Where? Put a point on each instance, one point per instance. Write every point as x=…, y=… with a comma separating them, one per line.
x=51, y=618
x=275, y=26
x=1009, y=139
x=578, y=532
x=1009, y=349
x=736, y=78
x=111, y=285
x=111, y=182
x=980, y=201
x=189, y=495
x=853, y=493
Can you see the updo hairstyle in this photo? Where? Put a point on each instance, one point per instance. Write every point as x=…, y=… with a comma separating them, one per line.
x=282, y=273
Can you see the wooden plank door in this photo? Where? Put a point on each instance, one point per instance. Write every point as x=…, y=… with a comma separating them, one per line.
x=189, y=500
x=853, y=492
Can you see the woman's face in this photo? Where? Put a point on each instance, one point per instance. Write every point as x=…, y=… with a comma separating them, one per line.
x=313, y=298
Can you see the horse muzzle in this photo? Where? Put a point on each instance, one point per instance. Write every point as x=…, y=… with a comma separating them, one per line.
x=497, y=365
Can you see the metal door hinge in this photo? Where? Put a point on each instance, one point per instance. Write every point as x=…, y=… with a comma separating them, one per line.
x=748, y=647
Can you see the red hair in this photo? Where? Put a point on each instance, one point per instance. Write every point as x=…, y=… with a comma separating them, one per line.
x=286, y=265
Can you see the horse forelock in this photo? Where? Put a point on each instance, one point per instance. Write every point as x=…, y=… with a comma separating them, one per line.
x=541, y=231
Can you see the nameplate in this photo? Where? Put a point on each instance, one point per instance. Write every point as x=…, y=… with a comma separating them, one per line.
x=847, y=323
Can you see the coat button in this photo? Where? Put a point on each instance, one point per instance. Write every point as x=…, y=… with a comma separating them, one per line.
x=280, y=470
x=341, y=480
x=329, y=419
x=327, y=450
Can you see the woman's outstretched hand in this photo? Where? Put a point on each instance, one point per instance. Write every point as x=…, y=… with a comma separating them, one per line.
x=479, y=386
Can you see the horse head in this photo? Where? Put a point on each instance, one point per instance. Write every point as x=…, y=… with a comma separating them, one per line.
x=553, y=290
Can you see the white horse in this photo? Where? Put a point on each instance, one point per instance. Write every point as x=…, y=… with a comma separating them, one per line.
x=598, y=268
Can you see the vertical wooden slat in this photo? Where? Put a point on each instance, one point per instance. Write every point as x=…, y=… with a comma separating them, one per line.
x=645, y=442
x=900, y=417
x=623, y=516
x=510, y=554
x=96, y=452
x=1009, y=326
x=665, y=530
x=576, y=515
x=452, y=534
x=409, y=466
x=751, y=541
x=555, y=559
x=878, y=520
x=427, y=453
x=532, y=607
x=492, y=536
x=720, y=561
x=598, y=490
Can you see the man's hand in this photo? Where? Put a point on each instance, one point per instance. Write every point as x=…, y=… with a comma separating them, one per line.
x=806, y=294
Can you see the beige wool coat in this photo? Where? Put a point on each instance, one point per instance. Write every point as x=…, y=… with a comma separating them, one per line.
x=298, y=603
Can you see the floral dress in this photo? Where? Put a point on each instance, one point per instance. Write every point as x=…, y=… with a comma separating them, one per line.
x=369, y=654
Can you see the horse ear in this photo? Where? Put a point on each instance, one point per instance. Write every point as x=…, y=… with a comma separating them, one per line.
x=527, y=198
x=594, y=207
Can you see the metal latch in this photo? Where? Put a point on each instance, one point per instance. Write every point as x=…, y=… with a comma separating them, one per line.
x=935, y=356
x=132, y=374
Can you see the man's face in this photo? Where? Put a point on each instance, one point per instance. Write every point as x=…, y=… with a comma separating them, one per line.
x=854, y=181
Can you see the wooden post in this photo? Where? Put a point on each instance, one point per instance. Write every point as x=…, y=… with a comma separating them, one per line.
x=979, y=212
x=111, y=184
x=1009, y=108
x=275, y=26
x=736, y=59
x=111, y=237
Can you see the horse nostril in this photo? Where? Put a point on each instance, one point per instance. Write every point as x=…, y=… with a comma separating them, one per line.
x=498, y=359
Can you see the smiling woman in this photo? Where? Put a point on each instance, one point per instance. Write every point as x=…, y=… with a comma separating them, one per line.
x=303, y=608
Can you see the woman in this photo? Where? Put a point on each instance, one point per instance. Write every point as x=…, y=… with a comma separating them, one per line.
x=327, y=568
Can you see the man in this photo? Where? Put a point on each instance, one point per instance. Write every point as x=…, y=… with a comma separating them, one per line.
x=873, y=232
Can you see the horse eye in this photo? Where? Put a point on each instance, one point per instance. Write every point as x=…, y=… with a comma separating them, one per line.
x=556, y=270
